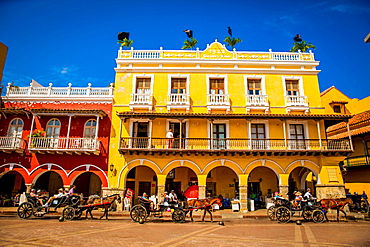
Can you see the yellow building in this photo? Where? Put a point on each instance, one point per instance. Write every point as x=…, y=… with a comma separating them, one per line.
x=241, y=122
x=356, y=168
x=3, y=54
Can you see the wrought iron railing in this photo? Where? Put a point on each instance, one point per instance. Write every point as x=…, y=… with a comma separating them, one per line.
x=234, y=144
x=357, y=161
x=11, y=143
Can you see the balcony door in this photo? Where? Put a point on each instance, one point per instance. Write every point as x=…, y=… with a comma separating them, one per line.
x=142, y=90
x=258, y=136
x=15, y=131
x=140, y=134
x=297, y=136
x=52, y=132
x=176, y=134
x=219, y=136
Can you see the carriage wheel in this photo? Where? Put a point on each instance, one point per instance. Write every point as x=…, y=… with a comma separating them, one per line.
x=282, y=214
x=39, y=211
x=307, y=214
x=178, y=216
x=25, y=210
x=318, y=216
x=271, y=213
x=138, y=212
x=68, y=213
x=78, y=213
x=364, y=207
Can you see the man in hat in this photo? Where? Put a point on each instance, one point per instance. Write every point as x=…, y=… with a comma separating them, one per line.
x=308, y=195
x=59, y=195
x=297, y=200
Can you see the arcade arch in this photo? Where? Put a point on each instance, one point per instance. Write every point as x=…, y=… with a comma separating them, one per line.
x=12, y=183
x=222, y=180
x=301, y=178
x=49, y=181
x=262, y=180
x=88, y=183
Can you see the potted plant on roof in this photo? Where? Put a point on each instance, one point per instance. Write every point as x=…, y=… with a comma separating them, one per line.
x=36, y=134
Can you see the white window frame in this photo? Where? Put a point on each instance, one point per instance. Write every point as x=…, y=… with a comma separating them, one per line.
x=255, y=77
x=226, y=83
x=47, y=125
x=178, y=121
x=267, y=127
x=145, y=120
x=151, y=76
x=186, y=76
x=96, y=125
x=293, y=78
x=18, y=134
x=305, y=127
x=227, y=122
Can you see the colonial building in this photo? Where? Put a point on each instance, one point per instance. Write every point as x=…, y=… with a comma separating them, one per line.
x=241, y=122
x=52, y=137
x=356, y=167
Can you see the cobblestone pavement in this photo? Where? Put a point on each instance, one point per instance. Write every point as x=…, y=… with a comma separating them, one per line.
x=120, y=231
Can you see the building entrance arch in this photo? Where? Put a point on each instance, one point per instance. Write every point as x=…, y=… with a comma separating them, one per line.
x=88, y=183
x=141, y=179
x=262, y=183
x=222, y=181
x=49, y=181
x=180, y=178
x=301, y=178
x=11, y=184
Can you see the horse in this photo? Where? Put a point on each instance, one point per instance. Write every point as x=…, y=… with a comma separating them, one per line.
x=337, y=204
x=104, y=202
x=205, y=204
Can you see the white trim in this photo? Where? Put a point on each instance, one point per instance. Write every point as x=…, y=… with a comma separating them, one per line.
x=141, y=120
x=210, y=132
x=305, y=127
x=293, y=78
x=181, y=165
x=302, y=164
x=175, y=120
x=134, y=80
x=254, y=76
x=18, y=134
x=179, y=75
x=217, y=76
x=222, y=161
x=267, y=127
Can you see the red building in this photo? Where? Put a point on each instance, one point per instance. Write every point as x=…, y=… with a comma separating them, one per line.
x=52, y=137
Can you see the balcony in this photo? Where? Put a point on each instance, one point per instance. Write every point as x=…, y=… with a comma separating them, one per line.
x=356, y=161
x=296, y=103
x=218, y=101
x=10, y=144
x=232, y=146
x=140, y=100
x=178, y=101
x=64, y=145
x=257, y=102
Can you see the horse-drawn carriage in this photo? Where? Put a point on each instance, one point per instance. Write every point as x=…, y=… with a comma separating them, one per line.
x=142, y=210
x=73, y=206
x=283, y=210
x=33, y=207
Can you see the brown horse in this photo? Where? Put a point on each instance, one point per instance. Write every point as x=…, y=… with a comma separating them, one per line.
x=205, y=204
x=337, y=204
x=104, y=202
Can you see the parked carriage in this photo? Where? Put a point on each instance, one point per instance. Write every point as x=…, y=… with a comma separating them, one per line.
x=142, y=210
x=283, y=210
x=33, y=207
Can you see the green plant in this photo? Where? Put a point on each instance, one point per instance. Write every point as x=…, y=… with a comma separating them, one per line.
x=232, y=41
x=303, y=46
x=189, y=43
x=37, y=133
x=125, y=42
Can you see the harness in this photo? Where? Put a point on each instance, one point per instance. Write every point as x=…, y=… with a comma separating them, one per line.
x=335, y=206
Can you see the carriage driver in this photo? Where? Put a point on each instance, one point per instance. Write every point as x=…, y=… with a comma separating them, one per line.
x=297, y=201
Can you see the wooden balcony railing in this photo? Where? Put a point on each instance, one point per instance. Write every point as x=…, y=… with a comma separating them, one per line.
x=10, y=143
x=357, y=161
x=232, y=144
x=64, y=144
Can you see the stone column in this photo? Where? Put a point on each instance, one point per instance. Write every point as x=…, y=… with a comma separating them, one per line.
x=243, y=192
x=111, y=191
x=202, y=181
x=284, y=190
x=326, y=191
x=161, y=185
x=28, y=188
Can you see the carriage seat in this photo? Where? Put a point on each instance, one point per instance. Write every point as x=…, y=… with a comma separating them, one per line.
x=31, y=199
x=144, y=203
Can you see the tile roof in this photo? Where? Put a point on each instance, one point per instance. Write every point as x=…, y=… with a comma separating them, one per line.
x=68, y=111
x=244, y=116
x=360, y=118
x=359, y=131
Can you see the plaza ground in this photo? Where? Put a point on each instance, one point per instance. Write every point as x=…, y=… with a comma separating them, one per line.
x=119, y=230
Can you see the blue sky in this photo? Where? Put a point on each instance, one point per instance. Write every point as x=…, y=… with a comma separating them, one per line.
x=75, y=41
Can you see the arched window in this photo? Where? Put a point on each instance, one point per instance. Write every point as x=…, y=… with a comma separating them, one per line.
x=53, y=128
x=90, y=129
x=15, y=127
